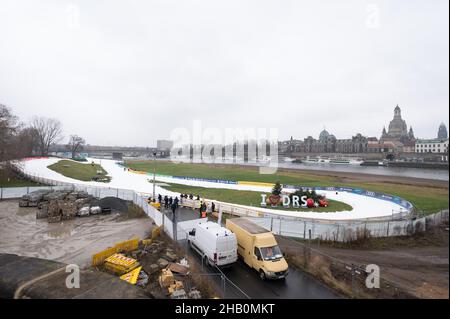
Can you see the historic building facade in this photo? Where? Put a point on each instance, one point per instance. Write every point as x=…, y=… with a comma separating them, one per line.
x=398, y=132
x=327, y=143
x=439, y=146
x=396, y=139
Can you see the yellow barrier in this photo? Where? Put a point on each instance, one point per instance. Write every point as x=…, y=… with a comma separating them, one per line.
x=128, y=245
x=255, y=183
x=138, y=172
x=100, y=257
x=156, y=205
x=156, y=231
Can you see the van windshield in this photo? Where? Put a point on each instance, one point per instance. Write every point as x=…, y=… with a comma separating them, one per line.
x=271, y=253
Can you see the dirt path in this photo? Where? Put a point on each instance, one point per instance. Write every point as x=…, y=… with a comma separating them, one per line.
x=73, y=241
x=421, y=271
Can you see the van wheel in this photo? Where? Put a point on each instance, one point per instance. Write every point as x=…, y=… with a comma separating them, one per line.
x=262, y=275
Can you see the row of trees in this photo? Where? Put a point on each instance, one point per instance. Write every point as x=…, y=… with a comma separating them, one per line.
x=18, y=140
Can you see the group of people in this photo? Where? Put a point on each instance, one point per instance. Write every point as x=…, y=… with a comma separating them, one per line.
x=169, y=202
x=190, y=196
x=203, y=208
x=174, y=203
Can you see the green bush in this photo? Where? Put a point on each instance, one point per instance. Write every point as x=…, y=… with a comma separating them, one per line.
x=316, y=197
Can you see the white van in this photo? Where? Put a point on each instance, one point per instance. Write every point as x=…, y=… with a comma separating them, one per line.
x=214, y=242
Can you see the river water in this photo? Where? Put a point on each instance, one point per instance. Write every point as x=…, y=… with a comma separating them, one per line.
x=437, y=174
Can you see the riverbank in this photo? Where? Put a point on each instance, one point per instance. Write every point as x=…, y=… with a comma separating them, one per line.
x=419, y=165
x=420, y=173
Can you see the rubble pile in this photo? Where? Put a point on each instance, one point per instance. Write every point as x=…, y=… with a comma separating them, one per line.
x=60, y=205
x=166, y=270
x=156, y=268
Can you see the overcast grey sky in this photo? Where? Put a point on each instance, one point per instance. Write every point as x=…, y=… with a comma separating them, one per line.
x=128, y=72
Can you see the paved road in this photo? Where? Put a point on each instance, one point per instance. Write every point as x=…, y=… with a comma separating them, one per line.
x=182, y=213
x=297, y=285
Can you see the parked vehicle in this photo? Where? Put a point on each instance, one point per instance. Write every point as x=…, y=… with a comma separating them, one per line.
x=258, y=248
x=215, y=243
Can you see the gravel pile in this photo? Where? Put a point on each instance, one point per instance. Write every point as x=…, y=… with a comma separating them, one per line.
x=114, y=203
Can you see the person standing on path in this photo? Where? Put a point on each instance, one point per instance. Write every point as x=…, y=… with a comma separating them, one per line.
x=166, y=202
x=174, y=209
x=203, y=210
x=200, y=208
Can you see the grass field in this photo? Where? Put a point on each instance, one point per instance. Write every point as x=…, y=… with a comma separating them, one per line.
x=248, y=198
x=76, y=170
x=426, y=199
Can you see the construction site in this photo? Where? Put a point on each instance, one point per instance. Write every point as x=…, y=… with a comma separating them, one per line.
x=121, y=233
x=109, y=239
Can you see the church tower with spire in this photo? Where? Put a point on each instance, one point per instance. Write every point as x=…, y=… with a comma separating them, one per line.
x=411, y=133
x=442, y=132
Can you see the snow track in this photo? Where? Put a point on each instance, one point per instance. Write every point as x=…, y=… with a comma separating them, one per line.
x=363, y=206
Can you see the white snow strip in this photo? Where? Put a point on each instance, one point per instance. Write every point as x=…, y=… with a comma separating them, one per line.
x=363, y=206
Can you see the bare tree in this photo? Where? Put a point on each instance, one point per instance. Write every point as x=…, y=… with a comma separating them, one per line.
x=76, y=144
x=49, y=132
x=9, y=126
x=27, y=142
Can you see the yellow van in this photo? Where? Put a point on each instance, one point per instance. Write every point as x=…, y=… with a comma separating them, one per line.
x=258, y=248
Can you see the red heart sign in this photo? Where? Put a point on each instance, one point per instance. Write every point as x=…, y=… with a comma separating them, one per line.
x=274, y=199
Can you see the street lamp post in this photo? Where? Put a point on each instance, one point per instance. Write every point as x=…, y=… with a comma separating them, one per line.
x=154, y=174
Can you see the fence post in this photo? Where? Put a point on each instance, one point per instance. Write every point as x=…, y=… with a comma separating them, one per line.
x=304, y=229
x=224, y=284
x=387, y=234
x=1, y=193
x=163, y=220
x=174, y=228
x=280, y=228
x=28, y=189
x=271, y=223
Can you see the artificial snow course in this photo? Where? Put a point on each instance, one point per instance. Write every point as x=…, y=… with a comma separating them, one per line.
x=363, y=206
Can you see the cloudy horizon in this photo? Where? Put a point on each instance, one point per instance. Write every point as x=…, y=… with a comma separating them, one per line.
x=129, y=73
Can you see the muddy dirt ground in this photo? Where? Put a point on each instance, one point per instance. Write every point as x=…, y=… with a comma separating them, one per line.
x=420, y=269
x=72, y=241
